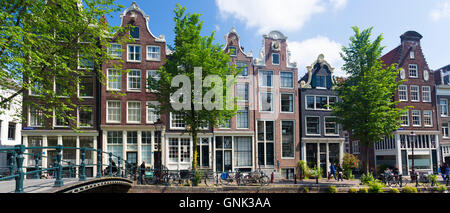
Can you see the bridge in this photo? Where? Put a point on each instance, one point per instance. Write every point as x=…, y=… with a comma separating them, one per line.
x=52, y=180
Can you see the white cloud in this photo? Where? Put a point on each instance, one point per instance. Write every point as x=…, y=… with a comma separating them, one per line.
x=284, y=15
x=307, y=51
x=442, y=12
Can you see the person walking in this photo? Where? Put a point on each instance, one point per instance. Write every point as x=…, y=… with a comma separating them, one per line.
x=443, y=170
x=447, y=174
x=340, y=172
x=141, y=172
x=332, y=171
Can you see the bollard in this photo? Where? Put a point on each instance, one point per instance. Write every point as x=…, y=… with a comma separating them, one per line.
x=126, y=169
x=82, y=175
x=36, y=166
x=110, y=164
x=271, y=178
x=19, y=178
x=59, y=182
x=295, y=178
x=99, y=163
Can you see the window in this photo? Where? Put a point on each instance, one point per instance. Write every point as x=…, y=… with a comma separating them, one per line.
x=11, y=131
x=244, y=67
x=321, y=102
x=355, y=147
x=133, y=112
x=288, y=139
x=242, y=118
x=36, y=89
x=86, y=86
x=203, y=145
x=134, y=80
x=154, y=53
x=275, y=58
x=266, y=102
x=426, y=94
x=321, y=81
x=405, y=119
x=134, y=53
x=115, y=50
x=225, y=125
x=427, y=118
x=445, y=130
x=86, y=116
x=413, y=71
x=287, y=79
x=152, y=114
x=331, y=127
x=403, y=93
x=415, y=93
x=224, y=146
x=115, y=141
x=243, y=151
x=61, y=118
x=242, y=91
x=132, y=137
x=134, y=32
x=152, y=74
x=287, y=102
x=173, y=150
x=176, y=121
x=310, y=102
x=416, y=118
x=114, y=79
x=444, y=107
x=411, y=55
x=266, y=154
x=85, y=62
x=36, y=117
x=266, y=78
x=232, y=50
x=60, y=89
x=113, y=111
x=312, y=126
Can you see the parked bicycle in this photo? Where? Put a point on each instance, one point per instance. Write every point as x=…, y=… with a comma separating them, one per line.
x=256, y=177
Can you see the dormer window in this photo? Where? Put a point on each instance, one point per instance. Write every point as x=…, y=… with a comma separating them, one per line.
x=275, y=58
x=411, y=55
x=232, y=51
x=321, y=81
x=413, y=71
x=134, y=32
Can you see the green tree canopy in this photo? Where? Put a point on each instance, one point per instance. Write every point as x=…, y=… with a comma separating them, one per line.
x=367, y=107
x=192, y=51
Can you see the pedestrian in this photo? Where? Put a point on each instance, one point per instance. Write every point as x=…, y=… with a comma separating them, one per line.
x=340, y=173
x=447, y=174
x=442, y=170
x=141, y=172
x=332, y=171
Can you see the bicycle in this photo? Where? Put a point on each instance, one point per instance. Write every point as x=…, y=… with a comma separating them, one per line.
x=256, y=177
x=226, y=178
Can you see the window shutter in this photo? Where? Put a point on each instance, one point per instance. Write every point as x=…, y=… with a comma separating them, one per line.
x=329, y=83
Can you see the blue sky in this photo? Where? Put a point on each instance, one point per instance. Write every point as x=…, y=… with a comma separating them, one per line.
x=312, y=26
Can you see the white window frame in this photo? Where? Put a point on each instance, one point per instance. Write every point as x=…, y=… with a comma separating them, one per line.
x=261, y=76
x=119, y=78
x=291, y=82
x=173, y=127
x=419, y=115
x=442, y=130
x=407, y=120
x=293, y=102
x=235, y=52
x=84, y=68
x=430, y=116
x=279, y=58
x=29, y=119
x=261, y=103
x=54, y=89
x=54, y=121
x=140, y=112
x=325, y=126
x=79, y=88
x=246, y=85
x=418, y=93
x=158, y=116
x=147, y=78
x=248, y=119
x=128, y=81
x=110, y=51
x=306, y=126
x=78, y=116
x=134, y=48
x=411, y=54
x=446, y=106
x=139, y=34
x=107, y=111
x=413, y=66
x=148, y=53
x=405, y=89
x=426, y=92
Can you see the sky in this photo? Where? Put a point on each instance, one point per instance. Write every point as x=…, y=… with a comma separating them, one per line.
x=312, y=26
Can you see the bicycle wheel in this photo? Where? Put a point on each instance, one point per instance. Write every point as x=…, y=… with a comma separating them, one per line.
x=265, y=181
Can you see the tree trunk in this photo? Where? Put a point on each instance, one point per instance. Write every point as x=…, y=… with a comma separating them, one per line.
x=194, y=147
x=367, y=159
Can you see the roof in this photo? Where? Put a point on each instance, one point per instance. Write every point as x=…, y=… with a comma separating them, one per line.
x=392, y=56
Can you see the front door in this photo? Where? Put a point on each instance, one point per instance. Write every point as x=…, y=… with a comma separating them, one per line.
x=132, y=158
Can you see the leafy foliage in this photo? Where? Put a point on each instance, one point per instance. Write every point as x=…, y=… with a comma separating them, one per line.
x=376, y=186
x=363, y=190
x=352, y=190
x=332, y=189
x=303, y=169
x=409, y=189
x=366, y=179
x=394, y=190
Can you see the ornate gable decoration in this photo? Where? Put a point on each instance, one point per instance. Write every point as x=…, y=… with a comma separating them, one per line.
x=321, y=61
x=234, y=37
x=135, y=7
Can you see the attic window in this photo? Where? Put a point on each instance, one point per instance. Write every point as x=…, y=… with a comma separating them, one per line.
x=232, y=51
x=411, y=55
x=134, y=32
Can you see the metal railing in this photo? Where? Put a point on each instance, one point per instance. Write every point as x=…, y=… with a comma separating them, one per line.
x=16, y=158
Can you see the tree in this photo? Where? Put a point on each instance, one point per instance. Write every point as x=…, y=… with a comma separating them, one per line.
x=366, y=106
x=203, y=69
x=51, y=44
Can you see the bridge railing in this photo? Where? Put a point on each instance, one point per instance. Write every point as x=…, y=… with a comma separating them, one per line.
x=16, y=158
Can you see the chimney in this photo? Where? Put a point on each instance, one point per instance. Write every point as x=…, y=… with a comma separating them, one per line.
x=411, y=36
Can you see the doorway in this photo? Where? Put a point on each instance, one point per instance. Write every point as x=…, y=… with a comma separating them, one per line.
x=132, y=158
